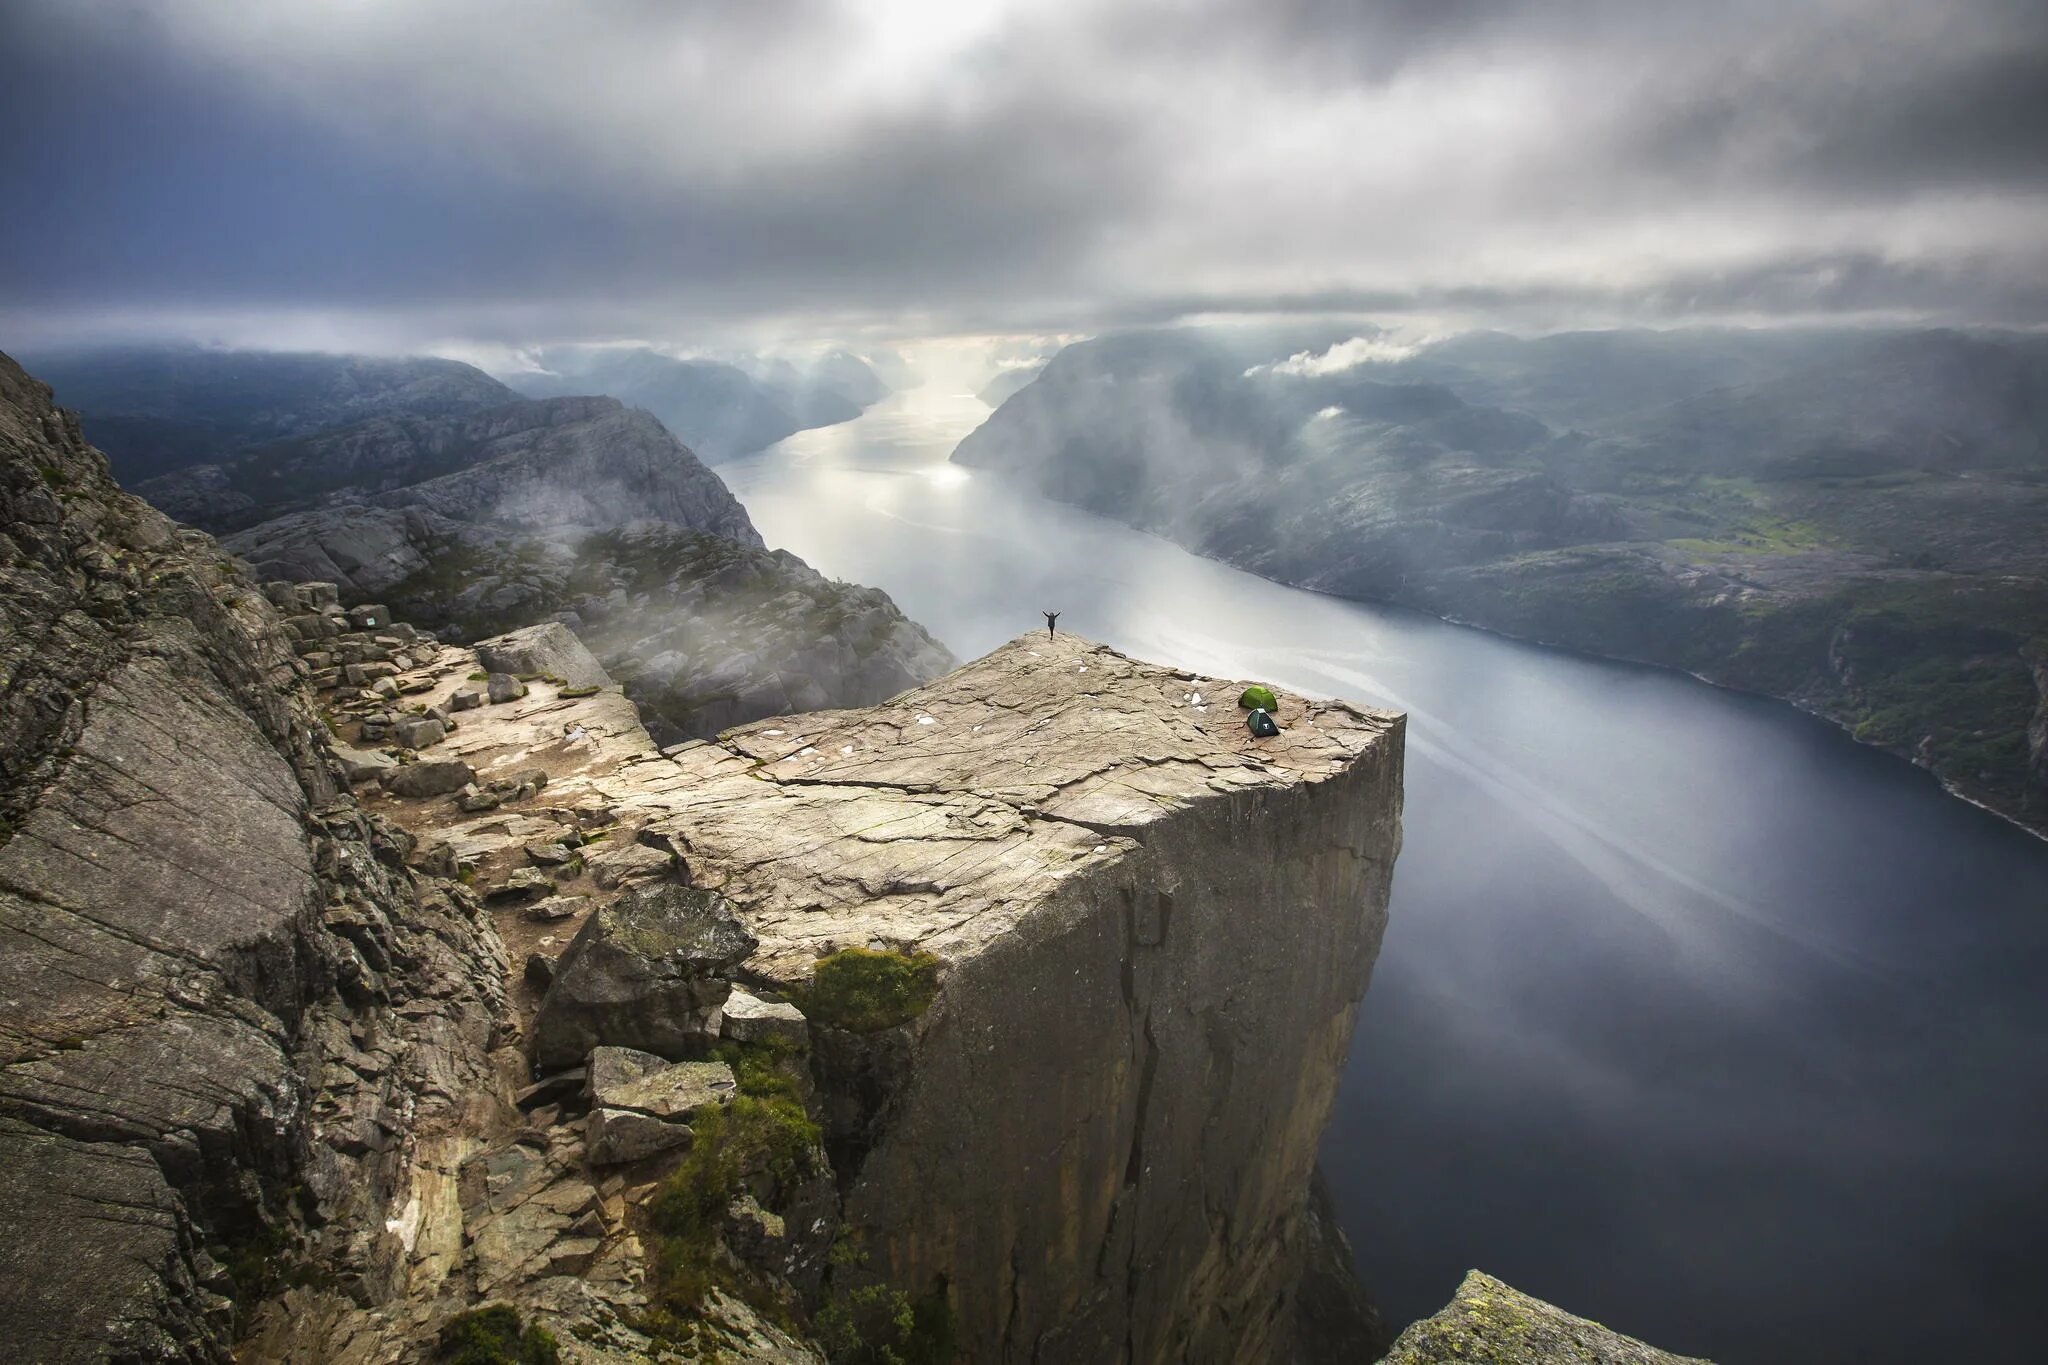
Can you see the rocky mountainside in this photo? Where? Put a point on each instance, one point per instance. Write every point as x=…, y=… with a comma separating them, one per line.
x=229, y=1015
x=703, y=631
x=574, y=509
x=719, y=409
x=1856, y=522
x=153, y=409
x=798, y=1015
x=531, y=464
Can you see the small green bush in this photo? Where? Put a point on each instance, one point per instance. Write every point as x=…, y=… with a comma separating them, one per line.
x=872, y=1323
x=756, y=1133
x=1259, y=697
x=863, y=990
x=496, y=1336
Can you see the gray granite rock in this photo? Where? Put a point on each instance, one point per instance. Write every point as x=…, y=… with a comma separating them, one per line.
x=428, y=777
x=642, y=973
x=551, y=649
x=419, y=733
x=363, y=765
x=750, y=1019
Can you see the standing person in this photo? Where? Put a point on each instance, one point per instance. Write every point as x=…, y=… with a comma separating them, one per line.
x=1050, y=617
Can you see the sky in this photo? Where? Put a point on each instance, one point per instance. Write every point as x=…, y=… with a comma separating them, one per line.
x=370, y=174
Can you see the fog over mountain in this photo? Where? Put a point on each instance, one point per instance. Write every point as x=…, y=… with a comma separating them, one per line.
x=377, y=178
x=687, y=680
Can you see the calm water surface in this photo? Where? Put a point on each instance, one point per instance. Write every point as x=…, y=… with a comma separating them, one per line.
x=1694, y=1016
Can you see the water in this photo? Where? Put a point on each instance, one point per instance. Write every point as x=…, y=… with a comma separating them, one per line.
x=1694, y=1016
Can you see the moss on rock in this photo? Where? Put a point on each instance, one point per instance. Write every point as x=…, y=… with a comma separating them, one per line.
x=863, y=990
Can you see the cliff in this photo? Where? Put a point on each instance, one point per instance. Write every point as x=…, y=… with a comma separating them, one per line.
x=1848, y=521
x=998, y=1021
x=1146, y=932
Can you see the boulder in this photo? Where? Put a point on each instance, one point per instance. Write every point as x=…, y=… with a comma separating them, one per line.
x=504, y=687
x=641, y=1104
x=626, y=1078
x=527, y=881
x=419, y=733
x=369, y=616
x=750, y=1019
x=432, y=777
x=613, y=1137
x=474, y=799
x=557, y=907
x=540, y=970
x=613, y=864
x=642, y=972
x=386, y=688
x=466, y=699
x=548, y=854
x=363, y=765
x=551, y=649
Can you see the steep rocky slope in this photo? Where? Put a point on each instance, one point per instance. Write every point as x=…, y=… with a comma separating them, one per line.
x=998, y=1021
x=705, y=632
x=1085, y=1128
x=575, y=509
x=229, y=1017
x=1852, y=521
x=535, y=465
x=153, y=409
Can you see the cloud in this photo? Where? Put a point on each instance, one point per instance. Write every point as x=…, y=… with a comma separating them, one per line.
x=1344, y=355
x=706, y=172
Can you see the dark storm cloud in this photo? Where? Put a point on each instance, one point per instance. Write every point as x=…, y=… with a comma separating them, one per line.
x=460, y=170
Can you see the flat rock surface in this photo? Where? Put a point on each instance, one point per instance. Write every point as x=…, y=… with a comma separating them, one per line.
x=940, y=817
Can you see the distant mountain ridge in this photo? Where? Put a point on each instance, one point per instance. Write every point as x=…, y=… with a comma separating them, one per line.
x=532, y=464
x=154, y=409
x=719, y=409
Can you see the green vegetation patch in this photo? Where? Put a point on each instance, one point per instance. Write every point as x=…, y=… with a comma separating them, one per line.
x=573, y=692
x=495, y=1336
x=1258, y=697
x=763, y=1142
x=872, y=1323
x=863, y=990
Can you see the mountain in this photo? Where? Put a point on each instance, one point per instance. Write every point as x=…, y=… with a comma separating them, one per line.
x=357, y=1004
x=718, y=409
x=563, y=509
x=834, y=387
x=1007, y=383
x=532, y=464
x=1854, y=521
x=154, y=409
x=704, y=631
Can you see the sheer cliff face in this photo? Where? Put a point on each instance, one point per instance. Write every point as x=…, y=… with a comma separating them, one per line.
x=217, y=984
x=1158, y=929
